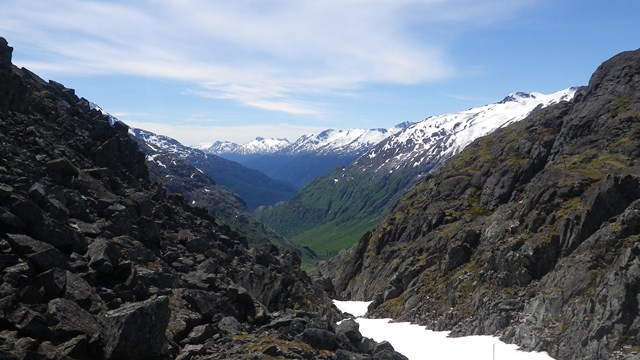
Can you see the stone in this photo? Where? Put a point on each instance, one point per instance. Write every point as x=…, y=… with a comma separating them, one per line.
x=388, y=355
x=41, y=254
x=70, y=320
x=10, y=223
x=30, y=323
x=319, y=339
x=62, y=166
x=76, y=348
x=382, y=346
x=103, y=255
x=200, y=334
x=5, y=53
x=190, y=352
x=350, y=329
x=36, y=192
x=230, y=325
x=137, y=330
x=27, y=211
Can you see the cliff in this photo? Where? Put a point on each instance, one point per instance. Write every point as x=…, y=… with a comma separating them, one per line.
x=531, y=233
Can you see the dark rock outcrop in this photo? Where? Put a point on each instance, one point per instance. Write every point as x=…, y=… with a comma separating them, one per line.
x=97, y=262
x=531, y=233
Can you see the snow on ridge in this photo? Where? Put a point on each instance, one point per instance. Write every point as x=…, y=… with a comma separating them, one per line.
x=263, y=146
x=329, y=141
x=445, y=135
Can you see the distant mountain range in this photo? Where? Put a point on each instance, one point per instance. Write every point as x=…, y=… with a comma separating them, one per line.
x=307, y=158
x=255, y=188
x=332, y=212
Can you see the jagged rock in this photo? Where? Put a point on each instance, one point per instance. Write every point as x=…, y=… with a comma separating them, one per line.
x=42, y=255
x=30, y=323
x=201, y=333
x=318, y=338
x=388, y=355
x=136, y=330
x=529, y=233
x=350, y=329
x=230, y=325
x=70, y=320
x=190, y=352
x=5, y=53
x=103, y=255
x=76, y=348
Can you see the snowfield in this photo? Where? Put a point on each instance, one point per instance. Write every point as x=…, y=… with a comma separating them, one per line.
x=417, y=343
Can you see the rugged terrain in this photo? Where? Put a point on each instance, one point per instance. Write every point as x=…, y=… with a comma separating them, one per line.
x=334, y=211
x=254, y=188
x=99, y=263
x=199, y=189
x=531, y=233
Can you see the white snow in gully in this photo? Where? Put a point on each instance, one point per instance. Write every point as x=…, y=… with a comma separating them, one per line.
x=418, y=343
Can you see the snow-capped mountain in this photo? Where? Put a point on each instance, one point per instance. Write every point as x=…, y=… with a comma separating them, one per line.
x=338, y=208
x=254, y=187
x=327, y=142
x=164, y=144
x=94, y=106
x=263, y=146
x=259, y=145
x=341, y=141
x=439, y=137
x=307, y=158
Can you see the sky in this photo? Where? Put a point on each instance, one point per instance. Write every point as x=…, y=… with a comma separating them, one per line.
x=207, y=70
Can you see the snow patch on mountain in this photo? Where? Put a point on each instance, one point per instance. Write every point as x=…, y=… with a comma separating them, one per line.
x=442, y=136
x=164, y=144
x=327, y=142
x=263, y=146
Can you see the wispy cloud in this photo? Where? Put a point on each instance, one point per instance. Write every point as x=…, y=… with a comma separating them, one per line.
x=263, y=54
x=194, y=134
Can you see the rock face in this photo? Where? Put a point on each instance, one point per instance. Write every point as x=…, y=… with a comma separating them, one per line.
x=334, y=211
x=531, y=233
x=255, y=188
x=96, y=262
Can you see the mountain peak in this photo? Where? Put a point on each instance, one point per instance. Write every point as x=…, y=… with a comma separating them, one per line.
x=516, y=96
x=5, y=53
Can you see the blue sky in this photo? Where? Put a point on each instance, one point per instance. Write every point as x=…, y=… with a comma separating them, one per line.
x=205, y=70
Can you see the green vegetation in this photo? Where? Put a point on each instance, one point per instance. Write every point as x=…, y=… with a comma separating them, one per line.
x=327, y=239
x=329, y=215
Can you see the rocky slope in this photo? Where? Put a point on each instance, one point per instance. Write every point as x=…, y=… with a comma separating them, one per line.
x=98, y=263
x=255, y=188
x=531, y=233
x=178, y=176
x=334, y=211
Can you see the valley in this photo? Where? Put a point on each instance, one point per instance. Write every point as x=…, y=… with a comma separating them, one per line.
x=519, y=220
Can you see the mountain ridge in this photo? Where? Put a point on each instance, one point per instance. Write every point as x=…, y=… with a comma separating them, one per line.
x=531, y=233
x=255, y=188
x=334, y=211
x=307, y=158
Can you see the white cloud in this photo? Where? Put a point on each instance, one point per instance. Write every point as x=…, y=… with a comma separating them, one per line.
x=263, y=54
x=193, y=134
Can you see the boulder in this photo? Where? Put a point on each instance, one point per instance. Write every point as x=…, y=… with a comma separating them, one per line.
x=351, y=330
x=137, y=330
x=71, y=320
x=5, y=53
x=319, y=339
